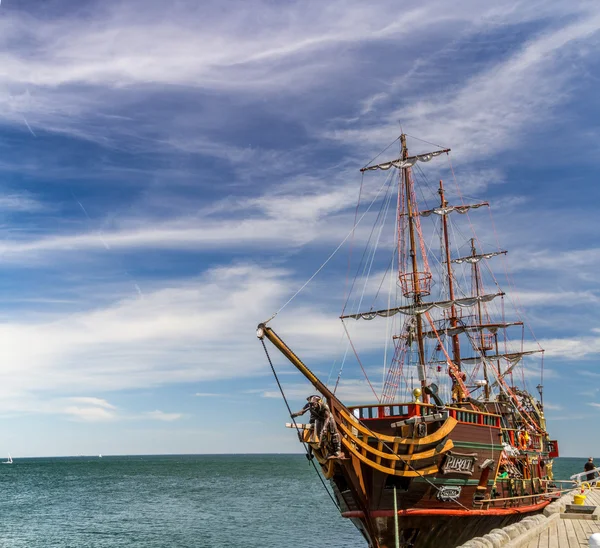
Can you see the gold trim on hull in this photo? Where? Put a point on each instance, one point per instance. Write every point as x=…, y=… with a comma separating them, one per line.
x=386, y=470
x=435, y=437
x=394, y=456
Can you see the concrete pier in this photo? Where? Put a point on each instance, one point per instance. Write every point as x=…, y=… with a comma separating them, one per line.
x=555, y=528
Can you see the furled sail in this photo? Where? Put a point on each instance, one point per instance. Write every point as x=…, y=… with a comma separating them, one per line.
x=410, y=161
x=412, y=310
x=513, y=359
x=462, y=209
x=451, y=331
x=472, y=259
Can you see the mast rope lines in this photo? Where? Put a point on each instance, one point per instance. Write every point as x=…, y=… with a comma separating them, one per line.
x=332, y=254
x=296, y=425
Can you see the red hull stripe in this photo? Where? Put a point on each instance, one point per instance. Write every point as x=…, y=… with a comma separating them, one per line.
x=440, y=512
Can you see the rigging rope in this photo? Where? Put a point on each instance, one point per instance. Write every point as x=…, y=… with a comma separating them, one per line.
x=423, y=141
x=359, y=362
x=373, y=159
x=330, y=256
x=296, y=424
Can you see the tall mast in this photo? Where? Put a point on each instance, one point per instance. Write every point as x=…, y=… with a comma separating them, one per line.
x=415, y=266
x=453, y=318
x=482, y=342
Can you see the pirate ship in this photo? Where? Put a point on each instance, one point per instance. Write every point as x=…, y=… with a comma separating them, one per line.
x=453, y=444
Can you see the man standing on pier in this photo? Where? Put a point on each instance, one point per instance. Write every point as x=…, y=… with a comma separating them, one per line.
x=589, y=465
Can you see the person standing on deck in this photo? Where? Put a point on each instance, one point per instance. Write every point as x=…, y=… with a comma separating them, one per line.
x=589, y=465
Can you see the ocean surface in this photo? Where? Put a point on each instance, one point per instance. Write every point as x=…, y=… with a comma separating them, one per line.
x=172, y=501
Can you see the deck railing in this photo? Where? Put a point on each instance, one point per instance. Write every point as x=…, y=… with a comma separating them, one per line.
x=582, y=477
x=407, y=410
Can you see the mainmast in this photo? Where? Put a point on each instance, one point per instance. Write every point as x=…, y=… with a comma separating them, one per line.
x=453, y=318
x=416, y=283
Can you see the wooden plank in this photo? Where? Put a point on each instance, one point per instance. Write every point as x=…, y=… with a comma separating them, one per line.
x=589, y=528
x=586, y=531
x=579, y=532
x=593, y=497
x=572, y=541
x=379, y=452
x=395, y=451
x=563, y=541
x=553, y=535
x=542, y=539
x=594, y=527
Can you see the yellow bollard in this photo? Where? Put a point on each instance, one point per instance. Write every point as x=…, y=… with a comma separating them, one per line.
x=579, y=499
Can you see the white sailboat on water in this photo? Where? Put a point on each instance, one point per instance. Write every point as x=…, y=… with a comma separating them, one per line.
x=9, y=461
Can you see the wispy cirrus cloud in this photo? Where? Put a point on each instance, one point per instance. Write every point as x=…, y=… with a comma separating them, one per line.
x=480, y=117
x=20, y=203
x=75, y=73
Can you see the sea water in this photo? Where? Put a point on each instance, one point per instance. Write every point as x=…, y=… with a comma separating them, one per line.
x=224, y=501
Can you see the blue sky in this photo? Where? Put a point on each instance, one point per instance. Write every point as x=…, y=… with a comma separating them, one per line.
x=172, y=172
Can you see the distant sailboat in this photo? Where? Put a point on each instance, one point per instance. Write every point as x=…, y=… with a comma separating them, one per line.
x=9, y=461
x=100, y=456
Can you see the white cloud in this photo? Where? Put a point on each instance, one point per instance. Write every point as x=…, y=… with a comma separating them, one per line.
x=571, y=347
x=89, y=414
x=556, y=298
x=162, y=416
x=20, y=203
x=96, y=402
x=180, y=333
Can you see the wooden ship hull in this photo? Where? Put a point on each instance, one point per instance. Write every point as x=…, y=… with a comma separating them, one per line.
x=428, y=474
x=443, y=496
